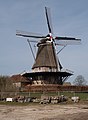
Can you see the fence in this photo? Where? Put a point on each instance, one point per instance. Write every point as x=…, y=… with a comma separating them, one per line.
x=55, y=87
x=50, y=90
x=69, y=94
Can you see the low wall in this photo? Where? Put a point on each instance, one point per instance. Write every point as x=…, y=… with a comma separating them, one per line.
x=55, y=87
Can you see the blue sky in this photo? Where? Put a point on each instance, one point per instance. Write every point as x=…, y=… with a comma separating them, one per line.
x=69, y=18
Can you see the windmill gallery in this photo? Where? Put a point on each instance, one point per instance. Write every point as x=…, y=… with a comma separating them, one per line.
x=47, y=68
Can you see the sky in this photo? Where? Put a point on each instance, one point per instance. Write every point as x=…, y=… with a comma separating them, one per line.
x=69, y=18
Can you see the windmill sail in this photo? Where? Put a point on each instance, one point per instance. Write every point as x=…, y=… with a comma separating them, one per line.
x=48, y=17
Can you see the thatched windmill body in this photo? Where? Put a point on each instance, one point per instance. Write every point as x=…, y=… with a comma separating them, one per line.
x=47, y=68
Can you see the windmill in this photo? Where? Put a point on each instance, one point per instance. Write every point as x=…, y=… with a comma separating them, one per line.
x=47, y=67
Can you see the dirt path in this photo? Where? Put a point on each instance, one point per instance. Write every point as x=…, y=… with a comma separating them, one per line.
x=44, y=112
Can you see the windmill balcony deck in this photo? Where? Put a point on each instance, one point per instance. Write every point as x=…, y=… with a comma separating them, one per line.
x=48, y=77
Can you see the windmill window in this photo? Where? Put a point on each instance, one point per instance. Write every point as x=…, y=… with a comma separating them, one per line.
x=50, y=69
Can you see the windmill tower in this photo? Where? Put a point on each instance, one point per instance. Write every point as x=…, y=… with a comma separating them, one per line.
x=47, y=68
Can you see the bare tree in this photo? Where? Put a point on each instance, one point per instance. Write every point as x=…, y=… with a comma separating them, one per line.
x=6, y=87
x=79, y=81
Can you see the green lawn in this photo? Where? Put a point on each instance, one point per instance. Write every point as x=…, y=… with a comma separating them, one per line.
x=83, y=96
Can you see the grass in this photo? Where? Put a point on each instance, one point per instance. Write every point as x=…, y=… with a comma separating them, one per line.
x=82, y=95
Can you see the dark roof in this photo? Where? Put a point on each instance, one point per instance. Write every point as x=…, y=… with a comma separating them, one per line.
x=61, y=74
x=46, y=56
